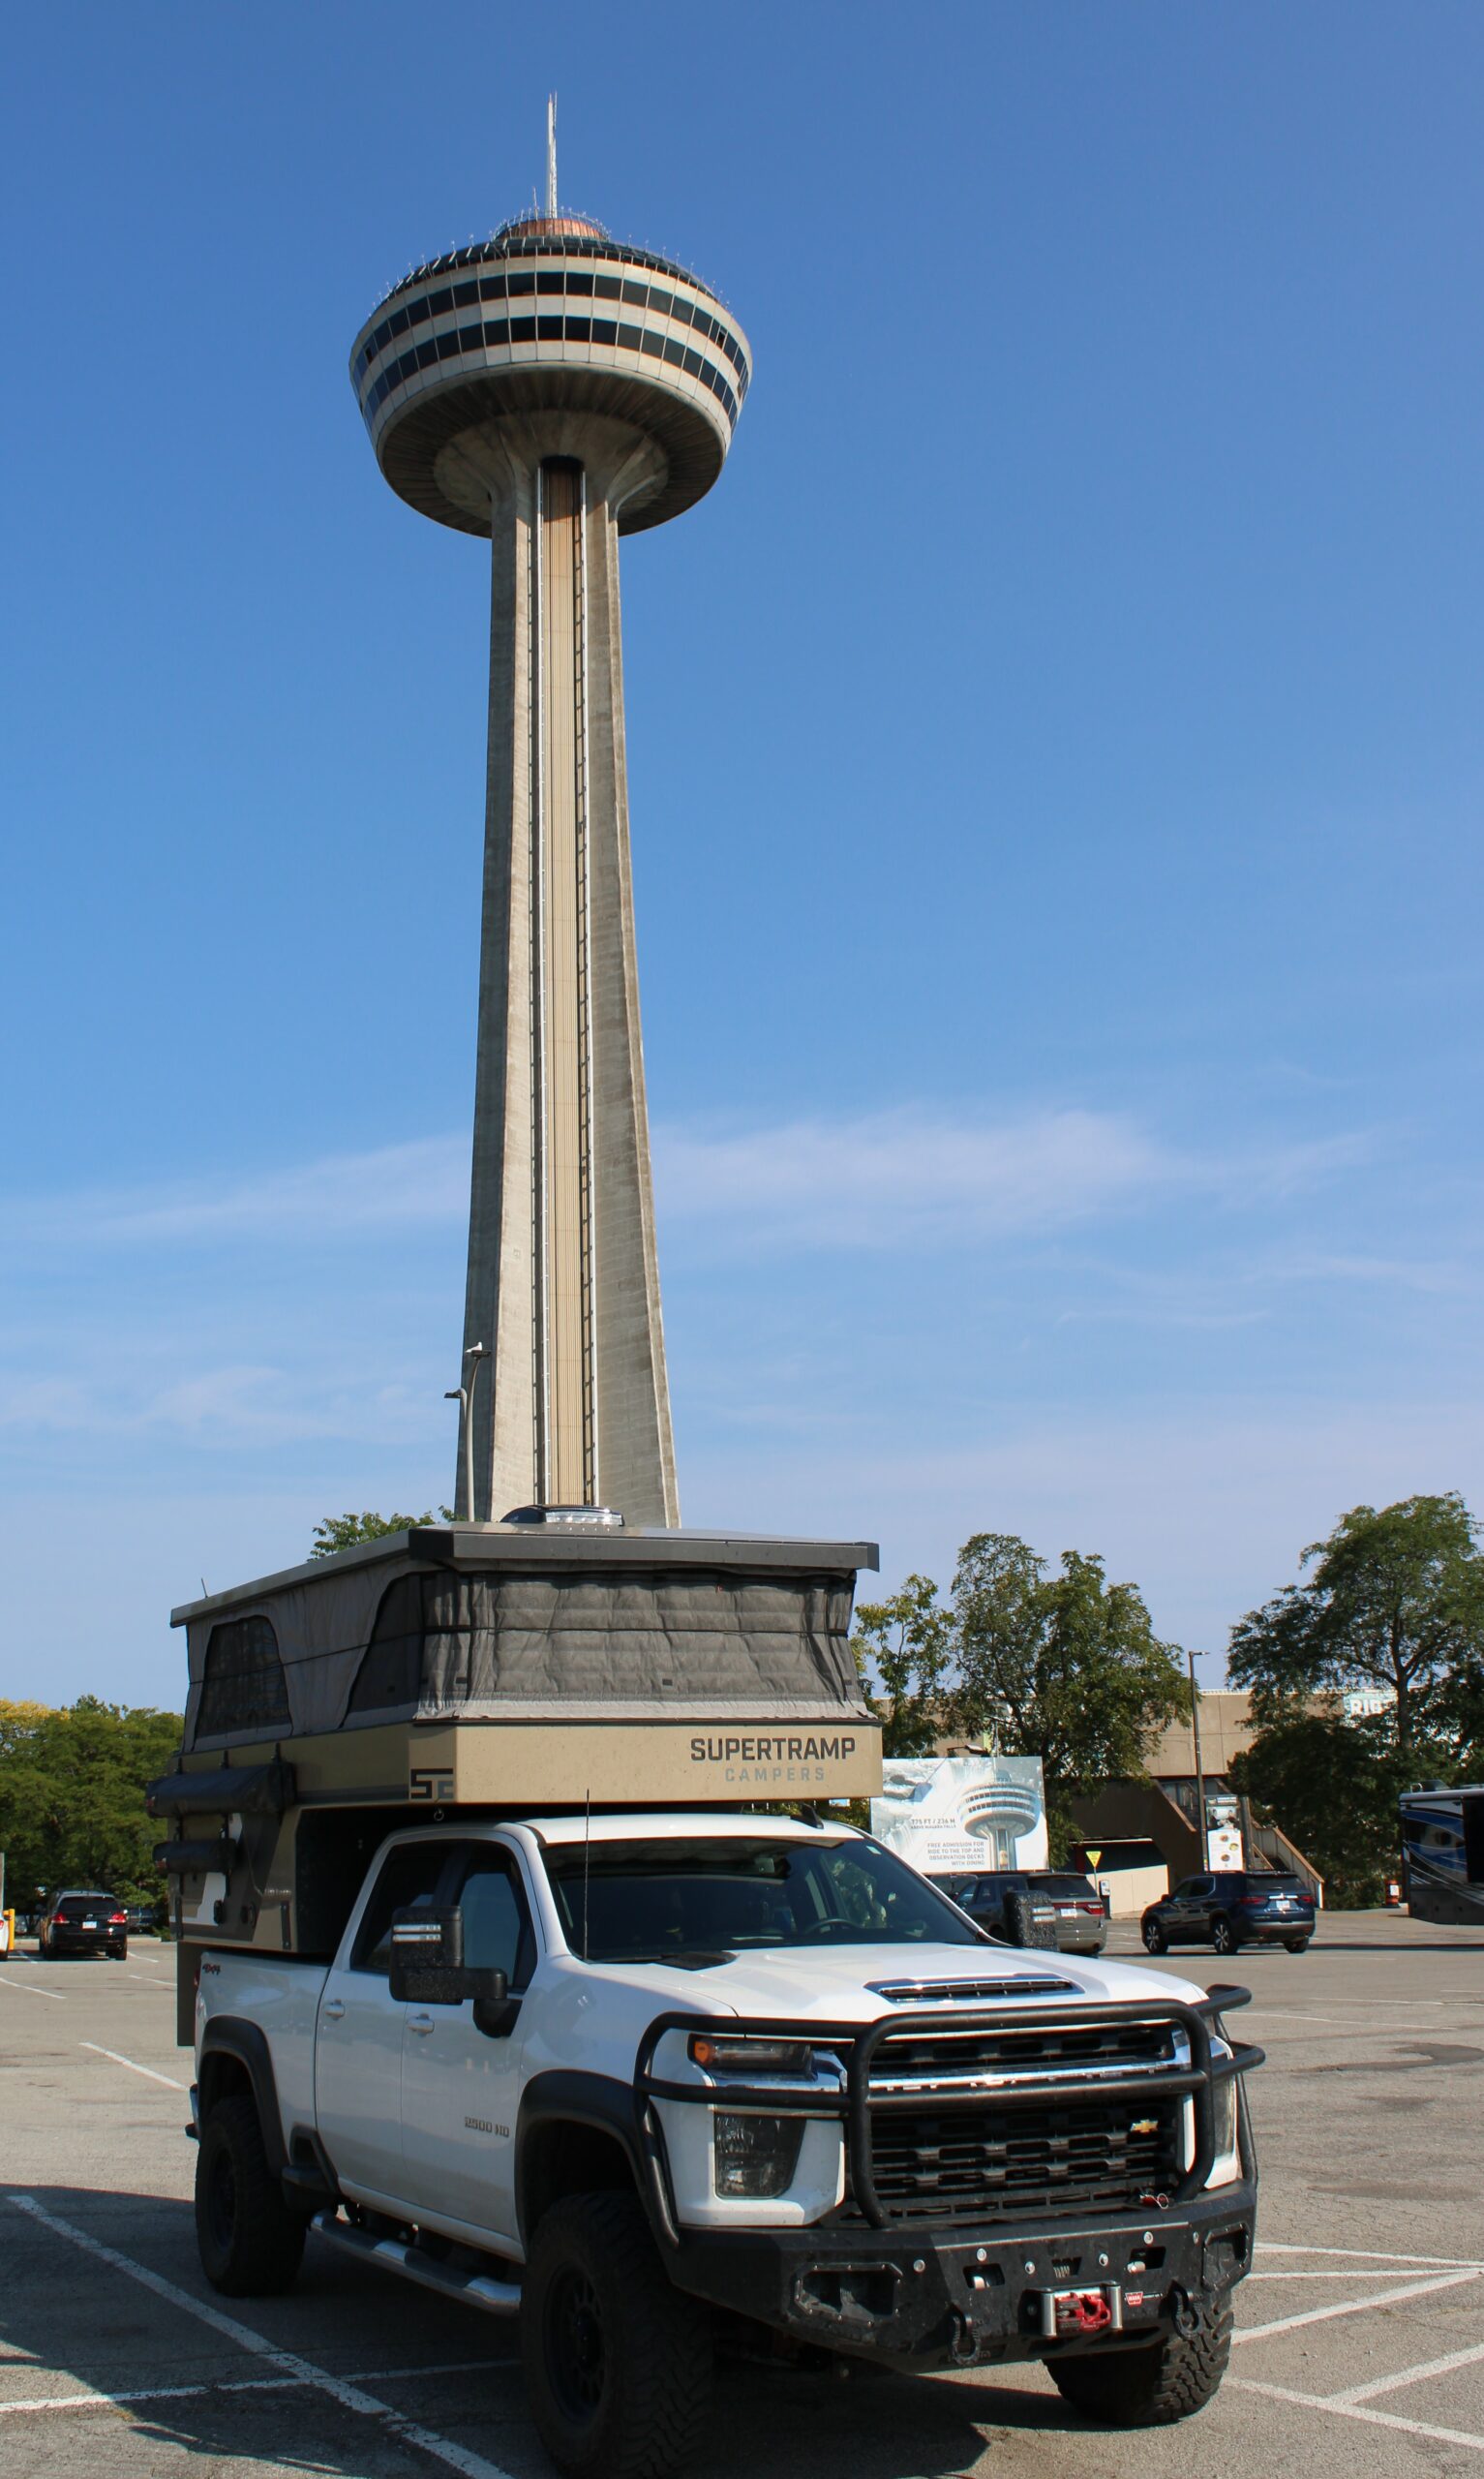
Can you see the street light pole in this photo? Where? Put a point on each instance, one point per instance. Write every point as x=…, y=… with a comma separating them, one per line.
x=463, y=1397
x=1200, y=1779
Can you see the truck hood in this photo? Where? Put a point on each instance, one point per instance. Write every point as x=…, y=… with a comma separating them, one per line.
x=842, y=1983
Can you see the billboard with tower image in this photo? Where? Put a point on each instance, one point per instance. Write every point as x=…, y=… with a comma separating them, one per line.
x=951, y=1813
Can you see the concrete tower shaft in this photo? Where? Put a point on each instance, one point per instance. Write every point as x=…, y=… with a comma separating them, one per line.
x=564, y=1280
x=552, y=389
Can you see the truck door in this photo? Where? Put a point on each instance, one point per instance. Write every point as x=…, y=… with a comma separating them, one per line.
x=460, y=2085
x=360, y=2038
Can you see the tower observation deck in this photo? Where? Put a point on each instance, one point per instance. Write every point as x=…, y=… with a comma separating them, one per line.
x=552, y=388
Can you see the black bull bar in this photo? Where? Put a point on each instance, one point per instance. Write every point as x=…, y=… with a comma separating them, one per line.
x=856, y=2104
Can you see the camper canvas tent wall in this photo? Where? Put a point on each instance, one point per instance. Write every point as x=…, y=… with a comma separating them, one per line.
x=494, y=1665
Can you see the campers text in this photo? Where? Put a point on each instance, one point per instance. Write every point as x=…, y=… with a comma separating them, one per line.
x=769, y=1759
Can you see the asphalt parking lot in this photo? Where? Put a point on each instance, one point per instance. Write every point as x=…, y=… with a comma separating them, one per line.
x=1361, y=2330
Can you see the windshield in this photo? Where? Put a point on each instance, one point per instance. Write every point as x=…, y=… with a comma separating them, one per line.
x=700, y=1901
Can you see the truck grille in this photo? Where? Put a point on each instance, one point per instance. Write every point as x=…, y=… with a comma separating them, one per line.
x=982, y=2164
x=946, y=2060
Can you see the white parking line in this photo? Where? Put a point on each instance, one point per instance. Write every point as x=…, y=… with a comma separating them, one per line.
x=1358, y=2411
x=1354, y=2305
x=239, y=2384
x=54, y=1993
x=1293, y=2014
x=340, y=2389
x=1373, y=2255
x=1339, y=2272
x=1408, y=2376
x=134, y=2065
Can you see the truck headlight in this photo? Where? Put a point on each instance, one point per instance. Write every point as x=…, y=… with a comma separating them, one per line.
x=755, y=2156
x=749, y=2057
x=1225, y=2168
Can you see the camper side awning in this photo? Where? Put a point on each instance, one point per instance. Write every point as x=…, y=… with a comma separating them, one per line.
x=252, y=1789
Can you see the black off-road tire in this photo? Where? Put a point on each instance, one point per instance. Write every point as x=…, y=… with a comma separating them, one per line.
x=618, y=2363
x=1155, y=1940
x=1224, y=1937
x=250, y=2242
x=1153, y=2385
x=1295, y=1944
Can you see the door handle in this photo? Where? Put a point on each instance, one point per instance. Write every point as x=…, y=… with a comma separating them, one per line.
x=333, y=2009
x=421, y=2024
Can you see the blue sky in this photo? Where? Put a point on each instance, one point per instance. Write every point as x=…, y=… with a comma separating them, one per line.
x=1056, y=750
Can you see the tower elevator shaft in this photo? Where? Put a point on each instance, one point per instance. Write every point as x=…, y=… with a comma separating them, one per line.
x=572, y=1405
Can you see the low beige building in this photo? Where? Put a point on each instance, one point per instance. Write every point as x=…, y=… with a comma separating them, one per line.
x=1136, y=1825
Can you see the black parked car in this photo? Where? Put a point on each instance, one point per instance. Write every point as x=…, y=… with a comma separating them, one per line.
x=84, y=1923
x=1235, y=1908
x=1071, y=1905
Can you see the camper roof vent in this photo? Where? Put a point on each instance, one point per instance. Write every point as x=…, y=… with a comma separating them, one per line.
x=585, y=1519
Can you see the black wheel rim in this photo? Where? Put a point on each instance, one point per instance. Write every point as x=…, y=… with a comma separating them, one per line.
x=222, y=2200
x=576, y=2351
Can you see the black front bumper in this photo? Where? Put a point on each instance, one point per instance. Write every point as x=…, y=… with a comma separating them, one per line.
x=890, y=2285
x=936, y=2301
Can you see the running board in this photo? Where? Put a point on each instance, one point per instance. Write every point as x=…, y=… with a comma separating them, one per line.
x=475, y=2289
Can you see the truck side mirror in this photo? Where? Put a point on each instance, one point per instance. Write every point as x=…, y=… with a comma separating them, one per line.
x=427, y=1956
x=1027, y=1921
x=428, y=1968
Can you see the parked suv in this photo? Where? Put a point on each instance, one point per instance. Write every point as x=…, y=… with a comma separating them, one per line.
x=84, y=1923
x=1080, y=1915
x=1234, y=1908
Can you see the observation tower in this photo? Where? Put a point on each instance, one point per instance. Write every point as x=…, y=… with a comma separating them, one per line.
x=552, y=388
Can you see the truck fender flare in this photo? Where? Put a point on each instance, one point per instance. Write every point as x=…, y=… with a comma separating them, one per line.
x=226, y=2036
x=576, y=2096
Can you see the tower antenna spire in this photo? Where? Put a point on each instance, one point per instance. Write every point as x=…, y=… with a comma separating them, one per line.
x=551, y=156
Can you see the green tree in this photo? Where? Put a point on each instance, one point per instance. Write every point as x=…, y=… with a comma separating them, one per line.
x=905, y=1647
x=1064, y=1666
x=1394, y=1599
x=343, y=1531
x=72, y=1797
x=1332, y=1783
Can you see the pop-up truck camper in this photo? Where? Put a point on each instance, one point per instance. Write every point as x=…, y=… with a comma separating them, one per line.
x=446, y=1670
x=523, y=1958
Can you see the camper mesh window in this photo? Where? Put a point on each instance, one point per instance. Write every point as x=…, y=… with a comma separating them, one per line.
x=242, y=1684
x=391, y=1670
x=444, y=1641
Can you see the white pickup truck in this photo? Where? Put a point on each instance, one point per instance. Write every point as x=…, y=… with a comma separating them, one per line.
x=657, y=2082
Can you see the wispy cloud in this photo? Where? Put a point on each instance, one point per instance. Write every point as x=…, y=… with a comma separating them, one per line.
x=919, y=1176
x=925, y=1177
x=398, y=1188
x=233, y=1404
x=1206, y=1503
